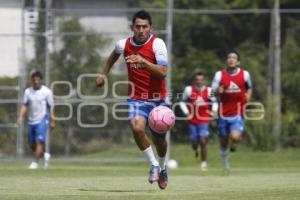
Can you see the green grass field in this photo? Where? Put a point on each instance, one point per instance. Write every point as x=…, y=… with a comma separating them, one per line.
x=254, y=175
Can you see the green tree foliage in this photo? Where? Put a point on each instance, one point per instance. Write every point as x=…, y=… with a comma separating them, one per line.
x=79, y=54
x=290, y=88
x=8, y=113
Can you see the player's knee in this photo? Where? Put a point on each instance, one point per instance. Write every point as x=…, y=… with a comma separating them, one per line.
x=202, y=144
x=32, y=146
x=224, y=142
x=138, y=129
x=39, y=146
x=202, y=141
x=236, y=136
x=194, y=146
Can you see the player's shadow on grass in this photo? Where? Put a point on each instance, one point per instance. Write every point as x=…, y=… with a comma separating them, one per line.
x=113, y=191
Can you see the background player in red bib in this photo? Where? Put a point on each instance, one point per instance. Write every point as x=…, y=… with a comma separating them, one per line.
x=197, y=103
x=234, y=87
x=147, y=60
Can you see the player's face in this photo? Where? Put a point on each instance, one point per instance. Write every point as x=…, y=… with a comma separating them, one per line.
x=232, y=60
x=199, y=81
x=141, y=29
x=36, y=82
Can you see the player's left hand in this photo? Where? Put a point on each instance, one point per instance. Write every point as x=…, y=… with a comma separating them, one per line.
x=221, y=89
x=52, y=124
x=247, y=97
x=189, y=116
x=20, y=120
x=134, y=58
x=213, y=113
x=100, y=80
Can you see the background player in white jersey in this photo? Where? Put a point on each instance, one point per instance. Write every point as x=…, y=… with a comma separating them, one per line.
x=199, y=104
x=147, y=60
x=38, y=99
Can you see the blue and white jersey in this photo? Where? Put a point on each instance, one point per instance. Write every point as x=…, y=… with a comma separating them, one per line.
x=38, y=102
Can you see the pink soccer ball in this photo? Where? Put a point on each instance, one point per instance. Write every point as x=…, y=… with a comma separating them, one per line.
x=161, y=119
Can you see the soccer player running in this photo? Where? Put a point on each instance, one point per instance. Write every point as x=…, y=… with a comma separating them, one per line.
x=37, y=100
x=146, y=59
x=198, y=104
x=234, y=88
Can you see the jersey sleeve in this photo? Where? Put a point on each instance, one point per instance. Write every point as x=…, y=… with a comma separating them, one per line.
x=160, y=51
x=216, y=81
x=26, y=98
x=186, y=94
x=120, y=46
x=248, y=82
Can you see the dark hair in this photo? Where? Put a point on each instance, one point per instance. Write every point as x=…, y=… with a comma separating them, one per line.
x=142, y=14
x=37, y=74
x=235, y=52
x=197, y=74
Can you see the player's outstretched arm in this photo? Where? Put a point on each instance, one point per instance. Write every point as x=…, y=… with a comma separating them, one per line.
x=113, y=57
x=50, y=105
x=248, y=84
x=52, y=118
x=216, y=87
x=158, y=71
x=23, y=111
x=248, y=95
x=214, y=103
x=183, y=101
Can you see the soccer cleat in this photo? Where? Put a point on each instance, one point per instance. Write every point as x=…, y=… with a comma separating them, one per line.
x=226, y=171
x=203, y=167
x=163, y=179
x=33, y=165
x=153, y=174
x=46, y=159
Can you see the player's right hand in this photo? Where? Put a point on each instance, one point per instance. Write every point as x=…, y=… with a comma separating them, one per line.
x=19, y=120
x=221, y=90
x=134, y=59
x=247, y=97
x=213, y=114
x=100, y=80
